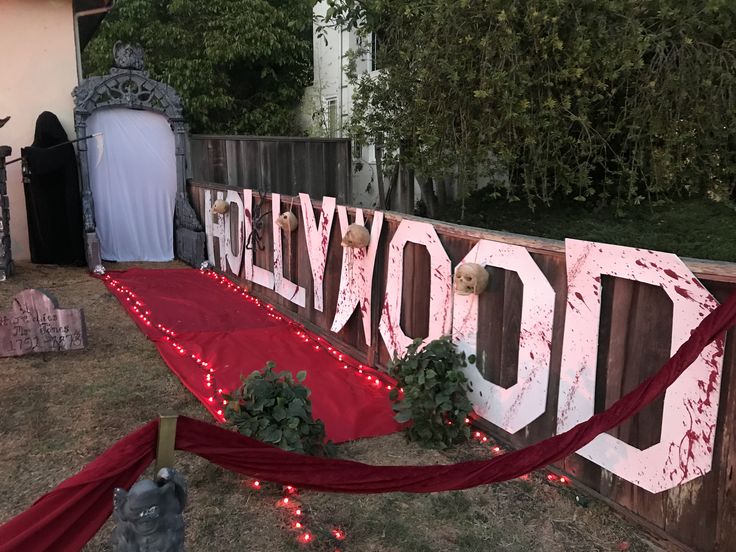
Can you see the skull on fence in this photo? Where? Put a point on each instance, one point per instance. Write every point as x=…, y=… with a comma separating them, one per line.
x=470, y=278
x=357, y=236
x=220, y=207
x=287, y=221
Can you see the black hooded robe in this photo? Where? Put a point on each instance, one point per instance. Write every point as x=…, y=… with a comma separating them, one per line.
x=53, y=202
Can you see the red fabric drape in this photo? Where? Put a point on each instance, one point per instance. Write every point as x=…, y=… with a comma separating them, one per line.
x=66, y=518
x=243, y=455
x=237, y=337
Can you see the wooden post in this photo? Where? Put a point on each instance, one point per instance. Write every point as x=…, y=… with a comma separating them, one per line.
x=6, y=259
x=166, y=441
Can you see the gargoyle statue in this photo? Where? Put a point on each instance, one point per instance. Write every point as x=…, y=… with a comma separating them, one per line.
x=148, y=518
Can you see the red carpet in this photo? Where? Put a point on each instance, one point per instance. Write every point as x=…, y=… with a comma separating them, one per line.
x=209, y=332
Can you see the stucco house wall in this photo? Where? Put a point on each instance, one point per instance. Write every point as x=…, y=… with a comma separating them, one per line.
x=39, y=71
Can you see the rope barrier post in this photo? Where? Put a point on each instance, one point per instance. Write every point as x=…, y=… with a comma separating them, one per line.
x=166, y=441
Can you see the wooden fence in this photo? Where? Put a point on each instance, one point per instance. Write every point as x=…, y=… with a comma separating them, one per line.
x=316, y=166
x=634, y=342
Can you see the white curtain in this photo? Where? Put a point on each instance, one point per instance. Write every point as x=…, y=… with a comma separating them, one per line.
x=132, y=171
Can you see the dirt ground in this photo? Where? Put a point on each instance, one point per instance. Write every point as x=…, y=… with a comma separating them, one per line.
x=62, y=410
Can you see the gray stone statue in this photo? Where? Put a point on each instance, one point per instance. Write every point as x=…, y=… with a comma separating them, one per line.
x=128, y=56
x=149, y=518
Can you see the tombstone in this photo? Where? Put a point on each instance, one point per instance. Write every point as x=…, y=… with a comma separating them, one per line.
x=35, y=324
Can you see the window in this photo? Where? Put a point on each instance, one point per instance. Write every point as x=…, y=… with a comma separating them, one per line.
x=357, y=150
x=331, y=121
x=375, y=47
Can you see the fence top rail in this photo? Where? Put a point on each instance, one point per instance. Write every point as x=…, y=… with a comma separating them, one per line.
x=719, y=271
x=243, y=138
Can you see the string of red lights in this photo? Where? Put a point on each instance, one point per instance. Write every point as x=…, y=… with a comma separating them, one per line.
x=216, y=403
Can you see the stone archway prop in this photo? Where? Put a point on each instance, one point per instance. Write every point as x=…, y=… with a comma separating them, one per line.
x=128, y=85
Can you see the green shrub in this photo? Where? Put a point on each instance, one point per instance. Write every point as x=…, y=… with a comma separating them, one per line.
x=435, y=393
x=601, y=101
x=273, y=408
x=240, y=66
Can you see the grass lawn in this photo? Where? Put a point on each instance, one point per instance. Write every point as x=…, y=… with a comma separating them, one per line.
x=62, y=410
x=698, y=228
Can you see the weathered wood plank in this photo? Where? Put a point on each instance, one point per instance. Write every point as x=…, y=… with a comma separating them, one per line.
x=284, y=165
x=490, y=341
x=391, y=225
x=695, y=511
x=302, y=175
x=554, y=270
x=231, y=163
x=511, y=327
x=648, y=349
x=218, y=159
x=725, y=445
x=251, y=176
x=317, y=169
x=415, y=294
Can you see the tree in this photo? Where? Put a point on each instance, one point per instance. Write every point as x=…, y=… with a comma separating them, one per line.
x=240, y=65
x=601, y=101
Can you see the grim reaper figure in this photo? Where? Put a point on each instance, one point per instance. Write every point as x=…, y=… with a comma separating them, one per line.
x=52, y=195
x=148, y=518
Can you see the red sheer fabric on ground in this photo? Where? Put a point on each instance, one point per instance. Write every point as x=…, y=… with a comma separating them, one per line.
x=237, y=337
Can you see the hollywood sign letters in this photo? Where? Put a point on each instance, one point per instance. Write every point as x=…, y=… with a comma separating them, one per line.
x=685, y=449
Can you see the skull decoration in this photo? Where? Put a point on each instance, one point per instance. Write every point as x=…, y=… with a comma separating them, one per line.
x=287, y=221
x=357, y=236
x=149, y=517
x=470, y=278
x=220, y=207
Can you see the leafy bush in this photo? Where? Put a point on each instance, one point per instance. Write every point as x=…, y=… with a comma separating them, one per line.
x=273, y=408
x=240, y=66
x=435, y=393
x=601, y=101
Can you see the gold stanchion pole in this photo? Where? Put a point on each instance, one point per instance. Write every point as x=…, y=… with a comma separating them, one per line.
x=166, y=441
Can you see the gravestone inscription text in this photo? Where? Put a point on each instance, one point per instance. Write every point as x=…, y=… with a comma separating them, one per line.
x=35, y=324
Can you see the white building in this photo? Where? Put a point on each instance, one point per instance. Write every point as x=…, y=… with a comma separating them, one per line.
x=40, y=41
x=327, y=104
